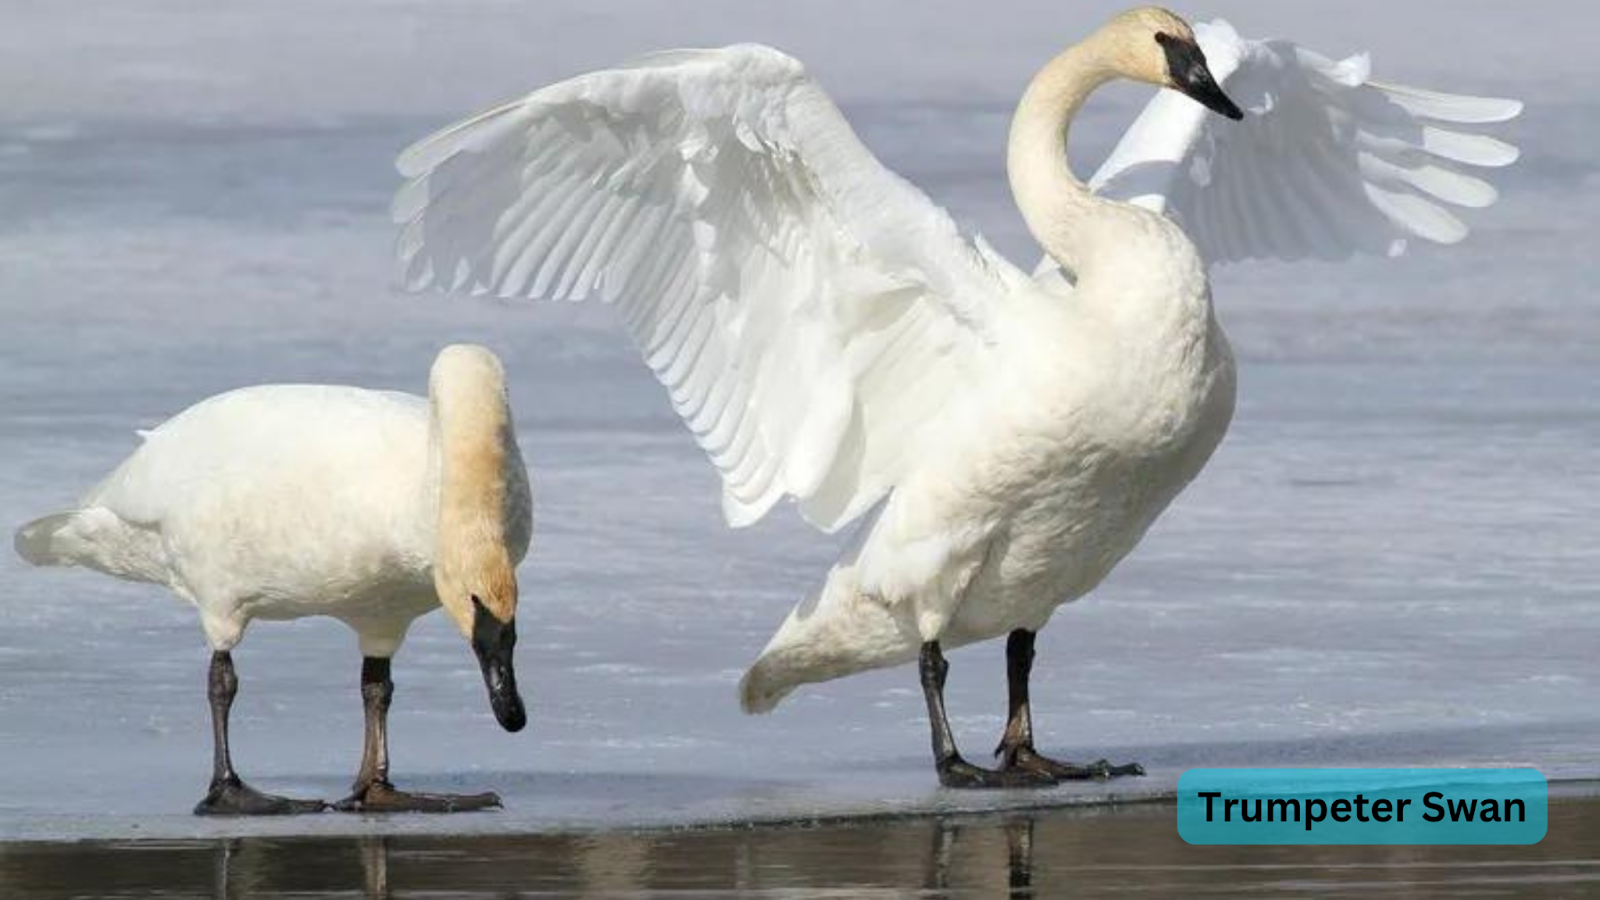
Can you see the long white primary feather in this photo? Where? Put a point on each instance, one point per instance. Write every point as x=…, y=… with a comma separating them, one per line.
x=808, y=310
x=1326, y=163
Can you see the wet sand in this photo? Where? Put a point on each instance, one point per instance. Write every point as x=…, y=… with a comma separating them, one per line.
x=1131, y=850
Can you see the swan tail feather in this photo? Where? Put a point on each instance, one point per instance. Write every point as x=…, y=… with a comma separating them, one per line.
x=838, y=632
x=35, y=542
x=96, y=538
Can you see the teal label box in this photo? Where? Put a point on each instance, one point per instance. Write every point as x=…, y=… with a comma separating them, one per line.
x=1362, y=806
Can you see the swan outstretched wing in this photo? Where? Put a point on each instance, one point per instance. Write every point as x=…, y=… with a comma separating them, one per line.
x=808, y=311
x=1325, y=164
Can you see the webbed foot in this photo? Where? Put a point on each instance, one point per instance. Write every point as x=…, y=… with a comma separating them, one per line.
x=383, y=797
x=955, y=772
x=1026, y=759
x=232, y=797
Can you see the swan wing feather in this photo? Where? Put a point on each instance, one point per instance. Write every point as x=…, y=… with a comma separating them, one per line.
x=770, y=270
x=1326, y=164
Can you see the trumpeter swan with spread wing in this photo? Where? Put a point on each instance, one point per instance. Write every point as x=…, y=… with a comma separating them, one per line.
x=285, y=501
x=829, y=336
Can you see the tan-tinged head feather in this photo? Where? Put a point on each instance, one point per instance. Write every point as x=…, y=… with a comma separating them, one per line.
x=483, y=494
x=1061, y=212
x=1125, y=47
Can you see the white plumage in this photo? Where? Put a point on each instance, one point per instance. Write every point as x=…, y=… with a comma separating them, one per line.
x=285, y=501
x=829, y=336
x=274, y=502
x=1328, y=162
x=684, y=188
x=277, y=502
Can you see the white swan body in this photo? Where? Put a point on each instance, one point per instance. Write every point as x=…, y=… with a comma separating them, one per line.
x=1028, y=507
x=284, y=501
x=829, y=336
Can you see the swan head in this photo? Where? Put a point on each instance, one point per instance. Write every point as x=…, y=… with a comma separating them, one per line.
x=474, y=570
x=1153, y=45
x=482, y=604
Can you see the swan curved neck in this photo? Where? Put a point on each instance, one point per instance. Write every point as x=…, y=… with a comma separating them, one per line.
x=1059, y=209
x=471, y=438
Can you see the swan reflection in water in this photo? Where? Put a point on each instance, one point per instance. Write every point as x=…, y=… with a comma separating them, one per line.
x=1041, y=853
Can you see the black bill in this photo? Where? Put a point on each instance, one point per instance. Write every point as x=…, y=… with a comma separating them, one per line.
x=1189, y=74
x=493, y=641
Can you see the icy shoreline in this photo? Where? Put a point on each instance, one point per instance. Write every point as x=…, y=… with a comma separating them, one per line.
x=553, y=803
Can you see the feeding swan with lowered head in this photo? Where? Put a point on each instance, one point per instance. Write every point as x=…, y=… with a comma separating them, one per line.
x=285, y=501
x=829, y=336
